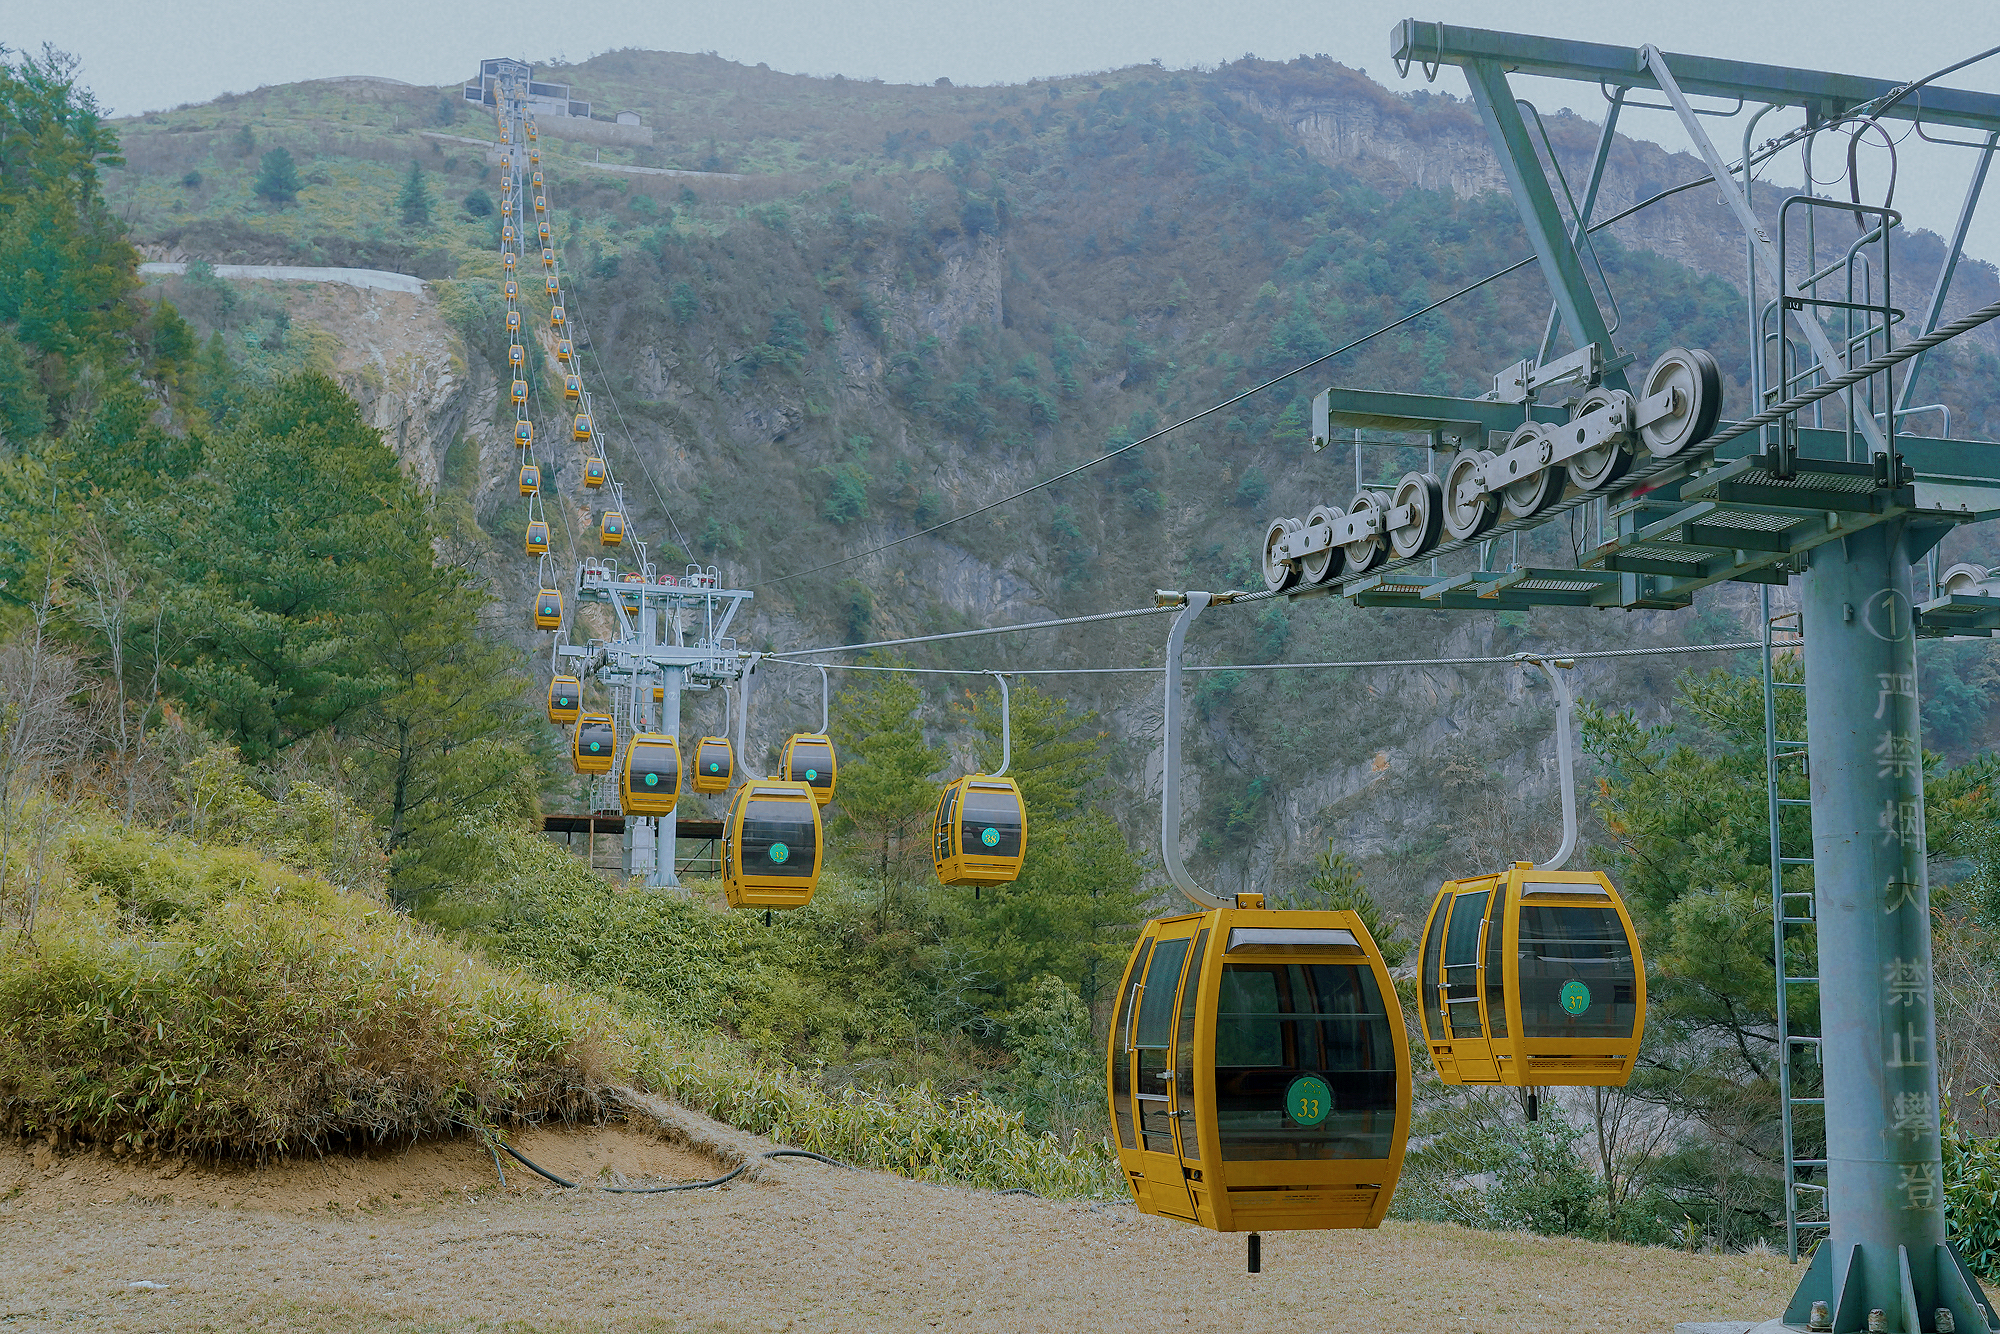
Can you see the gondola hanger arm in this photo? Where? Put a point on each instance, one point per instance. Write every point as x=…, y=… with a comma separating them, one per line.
x=1192, y=605
x=1566, y=760
x=1006, y=728
x=825, y=699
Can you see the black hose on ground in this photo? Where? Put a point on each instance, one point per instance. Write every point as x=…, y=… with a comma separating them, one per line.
x=738, y=1171
x=808, y=1153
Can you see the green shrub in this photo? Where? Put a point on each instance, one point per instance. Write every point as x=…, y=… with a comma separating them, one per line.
x=210, y=1000
x=1972, y=1199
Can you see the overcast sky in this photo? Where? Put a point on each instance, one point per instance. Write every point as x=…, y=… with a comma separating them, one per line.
x=143, y=55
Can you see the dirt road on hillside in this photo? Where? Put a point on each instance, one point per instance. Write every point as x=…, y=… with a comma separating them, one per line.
x=426, y=1240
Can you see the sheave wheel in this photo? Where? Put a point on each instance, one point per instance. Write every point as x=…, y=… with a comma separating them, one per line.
x=1424, y=494
x=1697, y=401
x=1321, y=565
x=1963, y=579
x=1536, y=488
x=1468, y=510
x=1279, y=574
x=1597, y=468
x=1365, y=553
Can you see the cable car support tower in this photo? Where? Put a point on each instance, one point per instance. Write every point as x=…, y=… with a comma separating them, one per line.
x=670, y=633
x=1816, y=482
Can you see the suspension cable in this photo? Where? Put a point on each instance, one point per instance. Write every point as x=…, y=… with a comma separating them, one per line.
x=1550, y=655
x=972, y=634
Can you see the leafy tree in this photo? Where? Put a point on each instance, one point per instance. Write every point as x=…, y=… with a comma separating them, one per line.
x=278, y=178
x=846, y=494
x=479, y=204
x=413, y=203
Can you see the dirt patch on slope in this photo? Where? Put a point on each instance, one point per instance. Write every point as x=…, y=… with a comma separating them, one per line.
x=37, y=1179
x=797, y=1245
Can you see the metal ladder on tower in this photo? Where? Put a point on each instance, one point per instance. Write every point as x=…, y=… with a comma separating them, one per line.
x=1794, y=921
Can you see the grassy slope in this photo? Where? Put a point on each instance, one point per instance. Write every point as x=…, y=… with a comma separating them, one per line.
x=196, y=996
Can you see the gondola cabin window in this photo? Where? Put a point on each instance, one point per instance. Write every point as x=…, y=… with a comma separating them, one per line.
x=1152, y=1028
x=1577, y=978
x=989, y=823
x=1304, y=1063
x=778, y=839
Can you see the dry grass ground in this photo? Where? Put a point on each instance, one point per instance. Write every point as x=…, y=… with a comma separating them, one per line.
x=426, y=1240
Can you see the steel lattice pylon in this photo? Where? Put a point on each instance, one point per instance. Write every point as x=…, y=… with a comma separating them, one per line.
x=1816, y=482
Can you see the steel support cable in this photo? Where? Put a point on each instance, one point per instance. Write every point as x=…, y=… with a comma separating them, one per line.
x=1664, y=650
x=1849, y=377
x=1764, y=155
x=973, y=634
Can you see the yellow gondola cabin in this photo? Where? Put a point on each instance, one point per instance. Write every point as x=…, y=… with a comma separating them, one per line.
x=1531, y=978
x=538, y=537
x=980, y=833
x=714, y=764
x=580, y=428
x=771, y=845
x=555, y=317
x=524, y=433
x=652, y=775
x=548, y=259
x=594, y=744
x=564, y=354
x=1258, y=1071
x=520, y=392
x=531, y=479
x=593, y=472
x=611, y=532
x=516, y=355
x=507, y=261
x=808, y=758
x=565, y=699
x=548, y=609
x=572, y=387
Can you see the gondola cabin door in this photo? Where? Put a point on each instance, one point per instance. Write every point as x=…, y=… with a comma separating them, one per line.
x=1463, y=985
x=1158, y=1115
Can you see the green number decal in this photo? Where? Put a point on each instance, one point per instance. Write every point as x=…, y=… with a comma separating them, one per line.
x=1308, y=1100
x=780, y=853
x=1575, y=997
x=990, y=837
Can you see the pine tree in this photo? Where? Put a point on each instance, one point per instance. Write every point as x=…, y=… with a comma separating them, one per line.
x=1075, y=909
x=1335, y=886
x=414, y=203
x=278, y=178
x=887, y=788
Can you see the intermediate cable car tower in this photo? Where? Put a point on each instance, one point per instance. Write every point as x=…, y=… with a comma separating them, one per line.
x=1818, y=481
